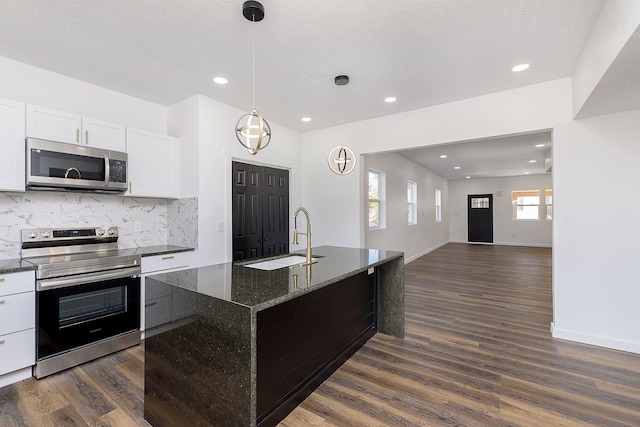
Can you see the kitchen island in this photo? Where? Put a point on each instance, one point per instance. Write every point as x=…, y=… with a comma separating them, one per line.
x=240, y=346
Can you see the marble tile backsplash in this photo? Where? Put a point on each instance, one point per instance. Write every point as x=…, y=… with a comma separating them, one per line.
x=159, y=221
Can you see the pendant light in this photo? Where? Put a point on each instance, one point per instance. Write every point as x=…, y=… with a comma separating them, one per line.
x=341, y=159
x=253, y=130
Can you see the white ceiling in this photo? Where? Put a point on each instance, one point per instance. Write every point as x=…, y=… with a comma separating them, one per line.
x=510, y=155
x=424, y=52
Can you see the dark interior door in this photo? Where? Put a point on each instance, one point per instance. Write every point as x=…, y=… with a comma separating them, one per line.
x=480, y=218
x=260, y=211
x=275, y=212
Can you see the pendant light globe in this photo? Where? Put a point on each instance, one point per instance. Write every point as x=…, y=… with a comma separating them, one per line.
x=252, y=130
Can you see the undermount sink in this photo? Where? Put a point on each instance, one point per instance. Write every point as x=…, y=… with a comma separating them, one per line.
x=276, y=263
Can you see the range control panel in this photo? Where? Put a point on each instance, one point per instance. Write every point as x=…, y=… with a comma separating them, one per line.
x=69, y=234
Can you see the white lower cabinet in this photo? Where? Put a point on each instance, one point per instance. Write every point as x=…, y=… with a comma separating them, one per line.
x=158, y=302
x=17, y=326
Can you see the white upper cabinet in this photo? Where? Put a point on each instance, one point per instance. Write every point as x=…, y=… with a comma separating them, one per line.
x=153, y=164
x=110, y=136
x=12, y=134
x=45, y=123
x=53, y=125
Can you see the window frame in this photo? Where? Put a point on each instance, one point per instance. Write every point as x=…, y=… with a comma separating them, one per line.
x=548, y=201
x=380, y=200
x=520, y=207
x=412, y=202
x=438, y=203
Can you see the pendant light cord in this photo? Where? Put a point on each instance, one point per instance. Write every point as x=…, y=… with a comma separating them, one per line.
x=341, y=107
x=253, y=62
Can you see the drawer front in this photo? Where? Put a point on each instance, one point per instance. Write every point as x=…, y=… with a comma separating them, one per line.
x=166, y=262
x=14, y=283
x=17, y=350
x=17, y=312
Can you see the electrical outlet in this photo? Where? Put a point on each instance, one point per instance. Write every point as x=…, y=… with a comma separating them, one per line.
x=137, y=227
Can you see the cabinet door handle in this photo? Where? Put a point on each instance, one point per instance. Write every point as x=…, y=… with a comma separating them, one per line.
x=149, y=304
x=130, y=190
x=86, y=137
x=78, y=136
x=167, y=257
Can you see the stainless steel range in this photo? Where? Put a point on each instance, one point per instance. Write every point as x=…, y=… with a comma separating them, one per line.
x=87, y=295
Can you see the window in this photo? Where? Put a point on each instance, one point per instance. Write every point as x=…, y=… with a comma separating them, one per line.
x=412, y=202
x=525, y=204
x=376, y=199
x=438, y=205
x=548, y=200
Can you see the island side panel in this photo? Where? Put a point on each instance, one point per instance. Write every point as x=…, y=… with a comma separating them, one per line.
x=390, y=278
x=198, y=363
x=302, y=341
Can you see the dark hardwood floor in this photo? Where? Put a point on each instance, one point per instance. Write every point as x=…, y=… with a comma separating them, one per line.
x=477, y=352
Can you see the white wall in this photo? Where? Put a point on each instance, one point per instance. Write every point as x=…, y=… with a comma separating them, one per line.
x=336, y=199
x=31, y=85
x=616, y=23
x=417, y=239
x=212, y=147
x=506, y=231
x=596, y=280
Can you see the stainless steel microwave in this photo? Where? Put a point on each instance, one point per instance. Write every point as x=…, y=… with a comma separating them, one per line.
x=58, y=166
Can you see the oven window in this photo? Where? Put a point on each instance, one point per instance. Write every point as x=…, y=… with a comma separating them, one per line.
x=86, y=306
x=63, y=165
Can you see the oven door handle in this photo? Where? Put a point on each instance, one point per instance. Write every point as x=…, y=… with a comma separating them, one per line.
x=83, y=279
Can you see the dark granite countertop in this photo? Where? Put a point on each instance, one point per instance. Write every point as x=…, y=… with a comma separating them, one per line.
x=14, y=266
x=260, y=289
x=17, y=264
x=154, y=250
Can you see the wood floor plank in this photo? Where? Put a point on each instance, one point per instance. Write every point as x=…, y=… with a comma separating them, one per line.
x=477, y=352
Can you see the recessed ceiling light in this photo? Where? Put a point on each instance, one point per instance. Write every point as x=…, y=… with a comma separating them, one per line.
x=444, y=156
x=520, y=67
x=306, y=119
x=539, y=145
x=456, y=167
x=532, y=161
x=526, y=173
x=390, y=99
x=467, y=177
x=220, y=80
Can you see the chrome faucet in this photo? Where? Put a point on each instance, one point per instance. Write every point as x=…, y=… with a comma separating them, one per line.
x=308, y=260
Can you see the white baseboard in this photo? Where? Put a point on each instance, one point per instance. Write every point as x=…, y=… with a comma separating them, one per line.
x=600, y=341
x=423, y=253
x=15, y=376
x=533, y=245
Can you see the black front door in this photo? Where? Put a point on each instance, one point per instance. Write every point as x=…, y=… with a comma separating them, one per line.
x=480, y=218
x=260, y=211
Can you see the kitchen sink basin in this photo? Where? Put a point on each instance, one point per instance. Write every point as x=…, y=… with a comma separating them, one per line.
x=276, y=263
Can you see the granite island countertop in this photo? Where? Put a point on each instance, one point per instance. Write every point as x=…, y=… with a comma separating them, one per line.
x=236, y=283
x=211, y=331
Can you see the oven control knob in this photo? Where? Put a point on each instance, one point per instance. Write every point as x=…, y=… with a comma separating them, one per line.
x=32, y=235
x=112, y=232
x=100, y=232
x=45, y=234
